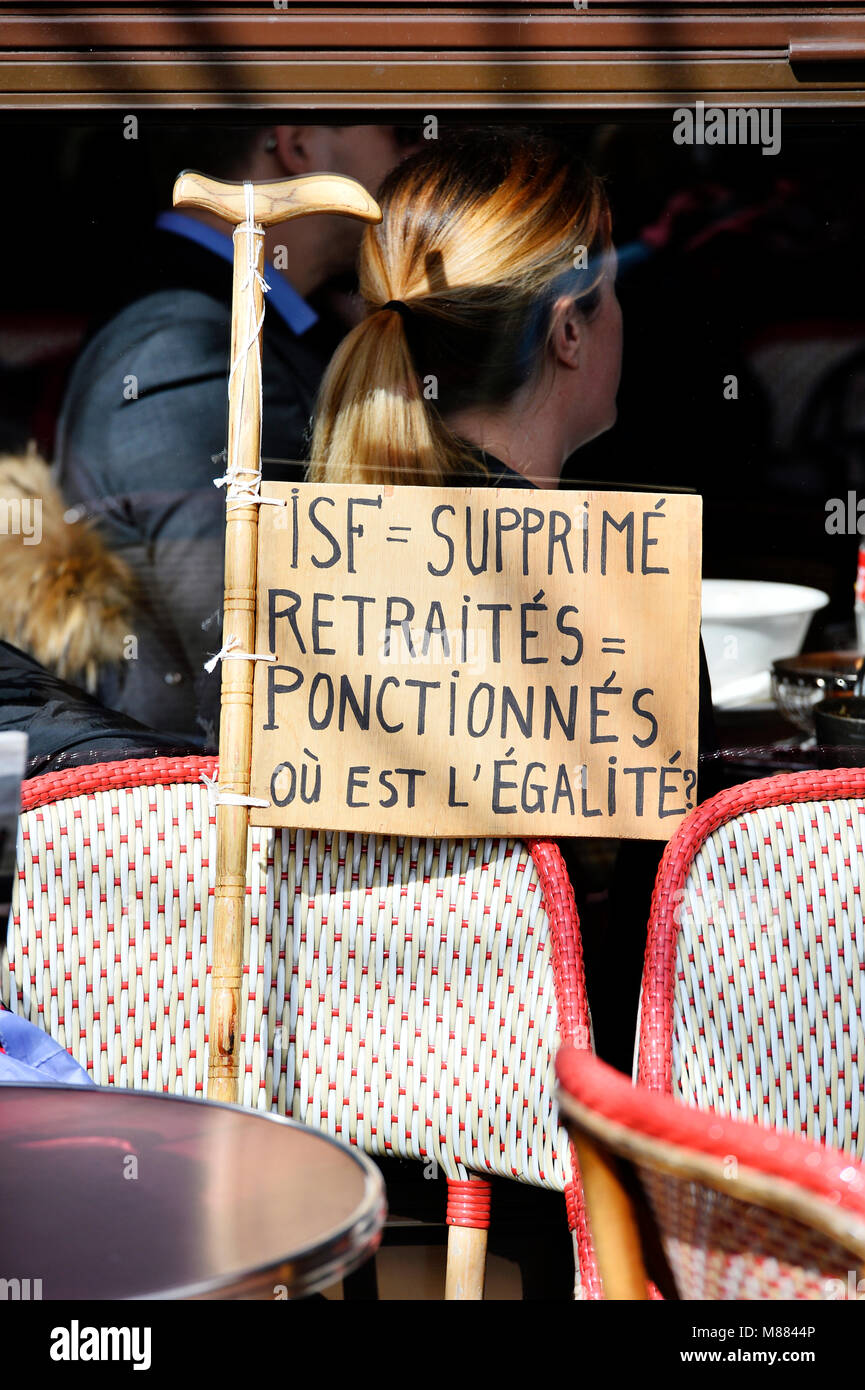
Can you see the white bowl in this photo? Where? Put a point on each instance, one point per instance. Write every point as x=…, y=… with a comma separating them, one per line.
x=747, y=624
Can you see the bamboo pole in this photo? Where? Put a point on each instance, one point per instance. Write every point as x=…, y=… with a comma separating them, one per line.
x=269, y=203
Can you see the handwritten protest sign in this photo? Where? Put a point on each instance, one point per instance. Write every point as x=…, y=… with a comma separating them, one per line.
x=476, y=661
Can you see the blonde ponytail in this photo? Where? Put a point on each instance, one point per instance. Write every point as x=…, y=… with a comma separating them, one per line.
x=372, y=423
x=477, y=239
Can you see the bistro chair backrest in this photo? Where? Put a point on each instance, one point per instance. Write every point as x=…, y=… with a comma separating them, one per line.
x=753, y=1000
x=407, y=996
x=743, y=1212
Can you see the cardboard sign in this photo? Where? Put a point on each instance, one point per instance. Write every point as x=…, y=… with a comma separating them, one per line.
x=476, y=661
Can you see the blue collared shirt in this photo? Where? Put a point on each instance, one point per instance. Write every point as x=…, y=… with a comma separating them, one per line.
x=282, y=297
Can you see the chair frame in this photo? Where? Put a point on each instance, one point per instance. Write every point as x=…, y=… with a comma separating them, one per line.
x=468, y=1208
x=609, y=1118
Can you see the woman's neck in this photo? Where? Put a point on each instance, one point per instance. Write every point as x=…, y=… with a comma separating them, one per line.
x=524, y=436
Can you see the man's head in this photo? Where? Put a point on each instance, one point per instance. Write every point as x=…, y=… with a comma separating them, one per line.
x=326, y=246
x=363, y=152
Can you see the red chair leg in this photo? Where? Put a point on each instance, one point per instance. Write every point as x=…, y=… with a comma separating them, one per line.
x=468, y=1217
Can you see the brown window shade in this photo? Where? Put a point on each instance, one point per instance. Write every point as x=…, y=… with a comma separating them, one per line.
x=482, y=55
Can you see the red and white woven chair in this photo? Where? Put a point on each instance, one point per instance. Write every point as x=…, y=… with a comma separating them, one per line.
x=752, y=989
x=752, y=1000
x=405, y=996
x=744, y=1213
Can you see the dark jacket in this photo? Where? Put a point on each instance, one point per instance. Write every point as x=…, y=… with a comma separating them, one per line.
x=143, y=420
x=65, y=726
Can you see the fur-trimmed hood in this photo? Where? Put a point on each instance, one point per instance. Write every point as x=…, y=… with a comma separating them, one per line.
x=65, y=598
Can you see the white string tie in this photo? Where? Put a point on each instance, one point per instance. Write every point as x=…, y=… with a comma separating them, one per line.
x=228, y=652
x=218, y=798
x=243, y=484
x=242, y=493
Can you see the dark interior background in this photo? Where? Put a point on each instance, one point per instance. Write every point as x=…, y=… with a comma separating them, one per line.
x=755, y=273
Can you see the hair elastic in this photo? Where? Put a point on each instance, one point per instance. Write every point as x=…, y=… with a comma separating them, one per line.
x=399, y=308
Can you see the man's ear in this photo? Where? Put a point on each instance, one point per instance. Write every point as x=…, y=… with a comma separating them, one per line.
x=566, y=336
x=292, y=148
x=303, y=149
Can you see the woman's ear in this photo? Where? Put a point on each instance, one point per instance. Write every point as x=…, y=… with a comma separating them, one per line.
x=566, y=337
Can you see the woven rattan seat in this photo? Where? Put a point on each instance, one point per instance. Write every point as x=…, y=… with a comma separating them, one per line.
x=407, y=996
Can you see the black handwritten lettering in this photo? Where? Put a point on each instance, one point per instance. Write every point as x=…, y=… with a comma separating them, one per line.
x=501, y=528
x=584, y=794
x=452, y=789
x=379, y=710
x=310, y=797
x=537, y=803
x=645, y=567
x=639, y=774
x=533, y=522
x=626, y=525
x=347, y=698
x=647, y=715
x=361, y=600
x=318, y=623
x=597, y=712
x=356, y=782
x=335, y=551
x=491, y=700
x=509, y=704
x=393, y=794
x=292, y=785
x=356, y=529
x=422, y=688
x=500, y=786
x=404, y=622
x=442, y=535
x=560, y=529
x=562, y=789
x=480, y=567
x=274, y=613
x=568, y=630
x=528, y=634
x=320, y=680
x=273, y=690
x=411, y=775
x=497, y=609
x=437, y=629
x=667, y=787
x=552, y=706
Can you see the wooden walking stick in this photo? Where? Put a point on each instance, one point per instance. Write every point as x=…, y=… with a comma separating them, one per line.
x=251, y=208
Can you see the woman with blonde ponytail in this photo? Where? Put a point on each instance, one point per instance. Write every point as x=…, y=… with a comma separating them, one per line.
x=490, y=352
x=492, y=340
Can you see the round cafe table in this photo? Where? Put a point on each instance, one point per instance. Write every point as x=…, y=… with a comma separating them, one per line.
x=113, y=1194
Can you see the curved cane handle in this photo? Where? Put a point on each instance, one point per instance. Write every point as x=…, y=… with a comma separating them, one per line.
x=278, y=200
